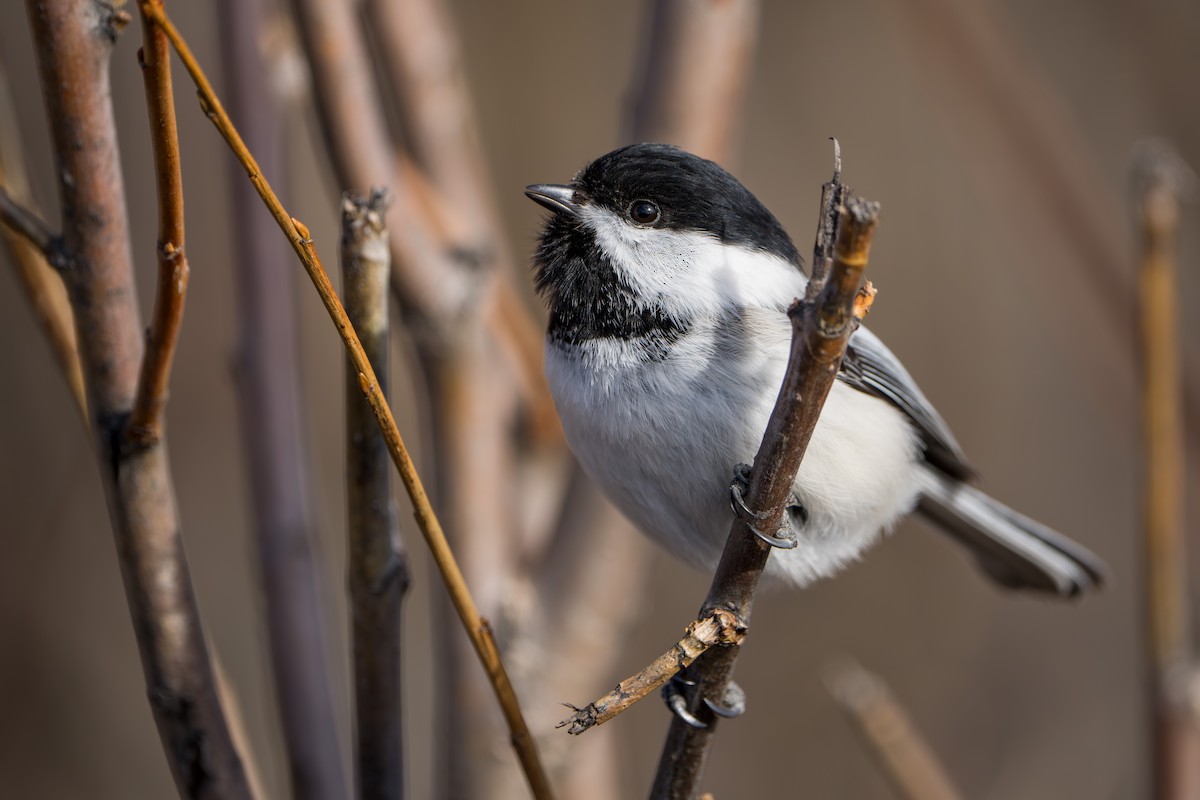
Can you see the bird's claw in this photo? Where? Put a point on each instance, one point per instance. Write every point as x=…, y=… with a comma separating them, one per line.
x=676, y=700
x=785, y=538
x=732, y=705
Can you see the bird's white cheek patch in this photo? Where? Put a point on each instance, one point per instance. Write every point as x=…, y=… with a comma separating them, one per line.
x=692, y=273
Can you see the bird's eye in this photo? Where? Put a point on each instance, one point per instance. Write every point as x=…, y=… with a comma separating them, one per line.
x=643, y=212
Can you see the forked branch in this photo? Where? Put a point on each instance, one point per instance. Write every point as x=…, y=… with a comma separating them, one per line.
x=819, y=336
x=73, y=41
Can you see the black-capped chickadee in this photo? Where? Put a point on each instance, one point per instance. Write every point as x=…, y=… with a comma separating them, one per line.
x=668, y=283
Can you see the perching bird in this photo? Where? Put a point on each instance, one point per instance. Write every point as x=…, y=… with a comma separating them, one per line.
x=668, y=284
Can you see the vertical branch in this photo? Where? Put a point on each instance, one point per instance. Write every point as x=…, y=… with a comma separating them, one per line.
x=47, y=296
x=694, y=64
x=73, y=39
x=378, y=566
x=819, y=336
x=146, y=422
x=270, y=403
x=1159, y=178
x=902, y=753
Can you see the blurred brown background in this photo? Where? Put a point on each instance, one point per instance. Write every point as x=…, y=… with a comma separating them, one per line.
x=995, y=288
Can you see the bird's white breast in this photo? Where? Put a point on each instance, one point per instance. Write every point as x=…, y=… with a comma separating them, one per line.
x=661, y=436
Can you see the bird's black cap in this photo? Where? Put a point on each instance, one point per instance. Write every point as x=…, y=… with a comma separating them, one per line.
x=693, y=194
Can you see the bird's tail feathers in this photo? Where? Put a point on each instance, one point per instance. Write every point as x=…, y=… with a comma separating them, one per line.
x=1014, y=550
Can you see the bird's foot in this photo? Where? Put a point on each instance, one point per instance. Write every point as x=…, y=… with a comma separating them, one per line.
x=784, y=538
x=675, y=696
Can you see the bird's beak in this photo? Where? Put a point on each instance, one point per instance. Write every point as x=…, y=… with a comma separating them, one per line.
x=558, y=198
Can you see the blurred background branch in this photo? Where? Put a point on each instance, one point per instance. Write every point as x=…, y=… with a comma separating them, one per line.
x=1160, y=177
x=271, y=404
x=885, y=728
x=45, y=290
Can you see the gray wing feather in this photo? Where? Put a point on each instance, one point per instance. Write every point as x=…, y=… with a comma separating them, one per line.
x=870, y=367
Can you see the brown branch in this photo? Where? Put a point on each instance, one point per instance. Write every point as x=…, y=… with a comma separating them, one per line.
x=819, y=336
x=1159, y=177
x=377, y=564
x=720, y=627
x=145, y=424
x=74, y=41
x=297, y=234
x=901, y=752
x=694, y=64
x=271, y=405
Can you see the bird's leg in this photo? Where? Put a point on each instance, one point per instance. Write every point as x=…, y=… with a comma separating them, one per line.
x=784, y=538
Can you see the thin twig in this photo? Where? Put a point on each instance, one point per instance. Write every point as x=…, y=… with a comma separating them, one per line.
x=43, y=284
x=377, y=564
x=820, y=333
x=833, y=194
x=74, y=42
x=47, y=296
x=146, y=422
x=720, y=627
x=902, y=753
x=297, y=234
x=28, y=225
x=1159, y=176
x=271, y=402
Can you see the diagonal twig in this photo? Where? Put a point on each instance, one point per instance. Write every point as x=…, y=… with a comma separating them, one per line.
x=902, y=753
x=31, y=247
x=718, y=627
x=35, y=253
x=31, y=227
x=820, y=333
x=297, y=234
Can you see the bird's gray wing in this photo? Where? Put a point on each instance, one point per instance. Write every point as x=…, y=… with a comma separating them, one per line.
x=870, y=367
